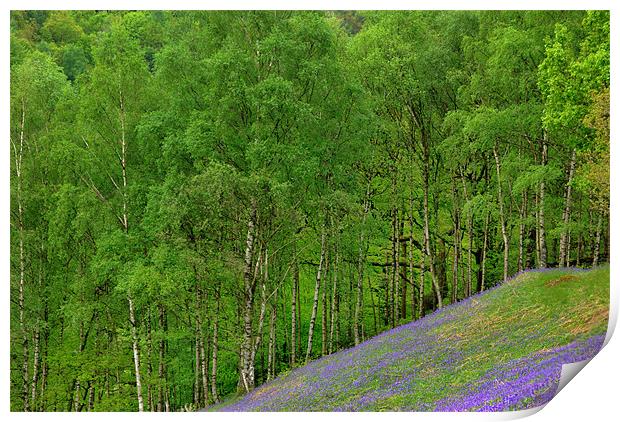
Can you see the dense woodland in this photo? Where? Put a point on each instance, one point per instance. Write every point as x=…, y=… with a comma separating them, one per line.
x=201, y=201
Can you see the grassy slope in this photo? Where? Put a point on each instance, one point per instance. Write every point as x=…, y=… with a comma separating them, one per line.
x=464, y=350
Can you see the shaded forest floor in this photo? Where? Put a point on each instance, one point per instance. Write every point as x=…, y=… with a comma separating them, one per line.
x=502, y=349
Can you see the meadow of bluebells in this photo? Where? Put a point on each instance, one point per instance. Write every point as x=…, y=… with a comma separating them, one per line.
x=502, y=349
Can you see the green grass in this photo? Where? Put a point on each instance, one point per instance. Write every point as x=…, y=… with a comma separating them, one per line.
x=415, y=366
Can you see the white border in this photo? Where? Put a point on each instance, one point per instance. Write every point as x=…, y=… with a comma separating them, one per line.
x=592, y=395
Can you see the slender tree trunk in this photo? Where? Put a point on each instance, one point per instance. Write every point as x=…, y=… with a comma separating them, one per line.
x=196, y=370
x=421, y=287
x=337, y=328
x=214, y=347
x=537, y=226
x=298, y=318
x=597, y=239
x=35, y=371
x=316, y=298
x=386, y=270
x=578, y=250
x=294, y=310
x=246, y=373
x=18, y=157
x=470, y=240
x=541, y=210
x=457, y=241
x=201, y=356
x=394, y=266
x=160, y=372
x=502, y=217
x=91, y=397
x=334, y=315
x=136, y=352
x=564, y=243
x=374, y=307
x=396, y=275
x=404, y=278
x=125, y=224
x=76, y=396
x=484, y=250
x=411, y=274
x=149, y=367
x=361, y=257
x=271, y=359
x=261, y=317
x=42, y=405
x=427, y=239
x=568, y=248
x=324, y=307
x=523, y=215
x=204, y=370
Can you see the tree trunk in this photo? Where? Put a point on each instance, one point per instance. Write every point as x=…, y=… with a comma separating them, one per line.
x=294, y=310
x=125, y=224
x=396, y=275
x=386, y=311
x=334, y=315
x=457, y=241
x=160, y=372
x=316, y=298
x=298, y=318
x=578, y=250
x=537, y=226
x=361, y=257
x=541, y=210
x=136, y=352
x=523, y=214
x=18, y=157
x=470, y=239
x=502, y=217
x=411, y=275
x=261, y=317
x=427, y=239
x=484, y=250
x=597, y=239
x=246, y=373
x=76, y=393
x=42, y=406
x=149, y=368
x=76, y=396
x=216, y=319
x=91, y=397
x=35, y=370
x=394, y=266
x=204, y=370
x=374, y=308
x=196, y=370
x=421, y=287
x=271, y=359
x=324, y=309
x=404, y=279
x=564, y=246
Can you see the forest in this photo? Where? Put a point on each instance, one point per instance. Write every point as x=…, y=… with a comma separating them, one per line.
x=202, y=201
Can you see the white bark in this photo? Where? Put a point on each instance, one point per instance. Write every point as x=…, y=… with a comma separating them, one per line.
x=316, y=297
x=502, y=218
x=541, y=211
x=247, y=373
x=333, y=303
x=564, y=237
x=360, y=269
x=597, y=239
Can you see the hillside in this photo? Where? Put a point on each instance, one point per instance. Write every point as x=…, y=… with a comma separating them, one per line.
x=499, y=350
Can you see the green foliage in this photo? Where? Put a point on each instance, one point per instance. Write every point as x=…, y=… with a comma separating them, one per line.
x=148, y=147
